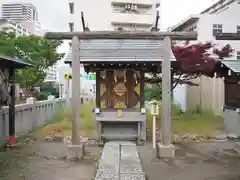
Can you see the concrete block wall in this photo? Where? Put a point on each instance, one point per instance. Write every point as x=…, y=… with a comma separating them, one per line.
x=29, y=116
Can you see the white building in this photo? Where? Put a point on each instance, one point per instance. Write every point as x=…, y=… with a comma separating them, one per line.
x=112, y=14
x=19, y=29
x=24, y=13
x=88, y=87
x=220, y=17
x=51, y=74
x=105, y=15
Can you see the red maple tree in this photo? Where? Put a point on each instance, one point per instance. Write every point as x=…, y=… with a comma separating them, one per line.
x=199, y=58
x=195, y=60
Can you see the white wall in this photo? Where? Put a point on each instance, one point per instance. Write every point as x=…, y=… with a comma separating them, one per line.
x=96, y=14
x=180, y=96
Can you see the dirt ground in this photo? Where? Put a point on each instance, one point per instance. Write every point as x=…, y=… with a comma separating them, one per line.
x=204, y=161
x=46, y=160
x=49, y=160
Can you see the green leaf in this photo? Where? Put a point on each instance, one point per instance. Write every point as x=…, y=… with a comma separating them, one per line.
x=36, y=50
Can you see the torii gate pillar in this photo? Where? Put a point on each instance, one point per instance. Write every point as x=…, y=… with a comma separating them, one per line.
x=165, y=148
x=76, y=147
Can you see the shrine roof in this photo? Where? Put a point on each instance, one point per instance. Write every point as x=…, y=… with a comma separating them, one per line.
x=233, y=65
x=12, y=62
x=120, y=50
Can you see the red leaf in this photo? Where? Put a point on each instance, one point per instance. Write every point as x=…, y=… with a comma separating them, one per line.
x=196, y=58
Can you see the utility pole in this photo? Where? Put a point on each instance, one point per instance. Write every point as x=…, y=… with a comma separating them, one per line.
x=68, y=91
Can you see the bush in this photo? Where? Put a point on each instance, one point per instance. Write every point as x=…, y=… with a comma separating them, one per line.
x=42, y=96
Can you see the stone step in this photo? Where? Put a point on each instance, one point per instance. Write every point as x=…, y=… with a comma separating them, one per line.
x=120, y=161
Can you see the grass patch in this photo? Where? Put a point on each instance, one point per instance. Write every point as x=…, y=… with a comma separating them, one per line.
x=61, y=122
x=197, y=122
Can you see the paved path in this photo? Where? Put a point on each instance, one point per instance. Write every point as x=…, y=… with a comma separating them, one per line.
x=120, y=161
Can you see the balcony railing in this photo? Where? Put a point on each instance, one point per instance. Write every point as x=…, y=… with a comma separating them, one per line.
x=147, y=3
x=125, y=18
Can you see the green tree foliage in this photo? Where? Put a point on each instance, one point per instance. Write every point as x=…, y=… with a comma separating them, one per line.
x=36, y=50
x=152, y=92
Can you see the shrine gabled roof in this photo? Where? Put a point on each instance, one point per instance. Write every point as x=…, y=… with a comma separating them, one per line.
x=12, y=62
x=120, y=50
x=234, y=65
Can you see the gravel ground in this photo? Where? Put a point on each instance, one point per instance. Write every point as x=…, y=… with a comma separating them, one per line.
x=49, y=160
x=204, y=161
x=46, y=160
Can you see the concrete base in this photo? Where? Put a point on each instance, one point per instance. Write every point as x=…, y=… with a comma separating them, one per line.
x=78, y=151
x=164, y=151
x=237, y=147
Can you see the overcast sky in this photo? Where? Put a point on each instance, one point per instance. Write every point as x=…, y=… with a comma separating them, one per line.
x=53, y=14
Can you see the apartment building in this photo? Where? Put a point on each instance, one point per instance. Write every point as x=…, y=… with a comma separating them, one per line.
x=220, y=17
x=113, y=14
x=24, y=13
x=18, y=28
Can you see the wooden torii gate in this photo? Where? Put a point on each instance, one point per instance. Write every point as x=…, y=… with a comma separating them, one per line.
x=165, y=148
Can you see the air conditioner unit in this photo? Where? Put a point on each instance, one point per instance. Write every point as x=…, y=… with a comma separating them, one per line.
x=127, y=6
x=135, y=7
x=132, y=7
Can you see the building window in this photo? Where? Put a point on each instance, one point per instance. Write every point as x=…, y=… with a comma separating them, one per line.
x=238, y=29
x=194, y=28
x=71, y=26
x=238, y=55
x=119, y=29
x=34, y=15
x=71, y=7
x=217, y=28
x=131, y=7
